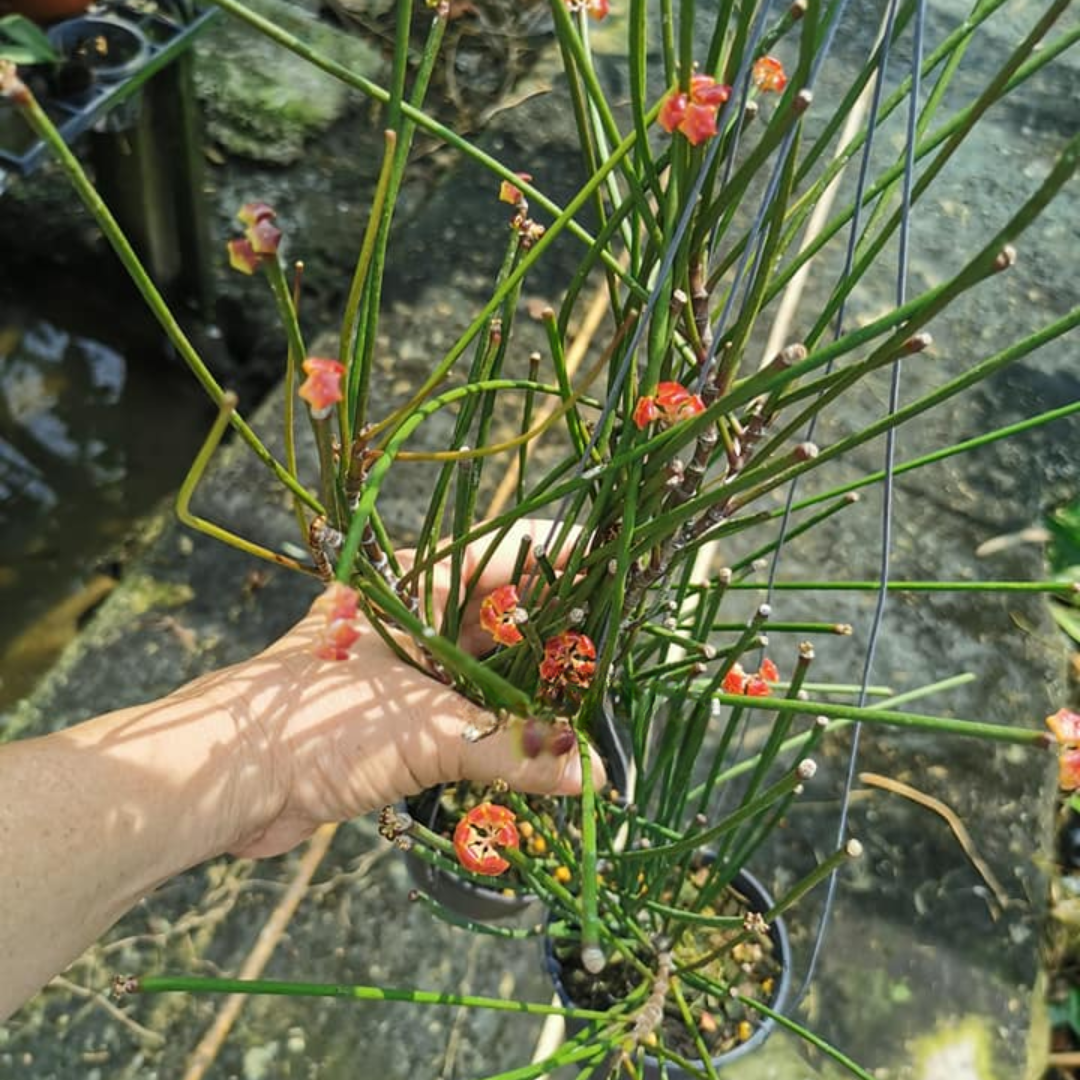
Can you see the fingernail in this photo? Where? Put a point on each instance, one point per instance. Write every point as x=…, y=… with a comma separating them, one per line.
x=599, y=773
x=570, y=778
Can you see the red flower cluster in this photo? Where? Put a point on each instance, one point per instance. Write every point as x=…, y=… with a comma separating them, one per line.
x=322, y=387
x=736, y=681
x=671, y=403
x=480, y=835
x=260, y=241
x=499, y=615
x=768, y=75
x=694, y=114
x=1065, y=724
x=338, y=606
x=569, y=661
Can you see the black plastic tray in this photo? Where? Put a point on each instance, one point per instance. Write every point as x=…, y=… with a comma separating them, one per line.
x=169, y=32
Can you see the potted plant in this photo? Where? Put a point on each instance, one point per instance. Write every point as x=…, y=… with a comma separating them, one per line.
x=623, y=626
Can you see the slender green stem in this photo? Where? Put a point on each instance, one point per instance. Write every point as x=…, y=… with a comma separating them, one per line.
x=381, y=467
x=820, y=873
x=195, y=475
x=796, y=742
x=592, y=956
x=191, y=984
x=586, y=1048
x=942, y=725
x=356, y=399
x=1060, y=588
x=704, y=837
x=445, y=914
x=816, y=1041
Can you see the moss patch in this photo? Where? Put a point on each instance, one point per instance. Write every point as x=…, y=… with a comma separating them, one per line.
x=960, y=1051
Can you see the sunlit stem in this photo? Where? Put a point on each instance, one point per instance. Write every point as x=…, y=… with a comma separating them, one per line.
x=1059, y=588
x=851, y=850
x=355, y=402
x=191, y=481
x=691, y=1026
x=796, y=742
x=592, y=956
x=285, y=300
x=408, y=426
x=746, y=812
x=803, y=1033
x=975, y=729
x=184, y=984
x=289, y=408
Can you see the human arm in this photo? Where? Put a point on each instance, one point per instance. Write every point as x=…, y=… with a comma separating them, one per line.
x=249, y=760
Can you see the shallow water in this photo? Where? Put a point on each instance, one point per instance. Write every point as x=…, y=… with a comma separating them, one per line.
x=97, y=423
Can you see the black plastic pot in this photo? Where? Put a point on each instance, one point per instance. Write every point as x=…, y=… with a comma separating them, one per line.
x=104, y=49
x=760, y=901
x=466, y=898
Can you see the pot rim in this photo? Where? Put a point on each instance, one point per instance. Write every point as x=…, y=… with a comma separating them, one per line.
x=62, y=34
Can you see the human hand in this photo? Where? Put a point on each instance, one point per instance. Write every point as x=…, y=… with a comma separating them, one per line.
x=334, y=739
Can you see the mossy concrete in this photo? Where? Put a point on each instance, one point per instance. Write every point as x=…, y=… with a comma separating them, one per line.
x=263, y=102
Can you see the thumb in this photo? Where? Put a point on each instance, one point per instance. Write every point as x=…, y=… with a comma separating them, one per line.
x=555, y=770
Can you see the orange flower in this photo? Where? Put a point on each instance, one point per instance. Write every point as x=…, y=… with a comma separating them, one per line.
x=569, y=660
x=694, y=114
x=699, y=123
x=498, y=615
x=597, y=9
x=251, y=213
x=322, y=387
x=1065, y=724
x=242, y=256
x=671, y=403
x=261, y=238
x=758, y=684
x=338, y=606
x=769, y=75
x=1069, y=769
x=705, y=90
x=479, y=836
x=511, y=193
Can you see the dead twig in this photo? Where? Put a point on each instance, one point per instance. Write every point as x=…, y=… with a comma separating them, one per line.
x=95, y=997
x=202, y=1057
x=952, y=819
